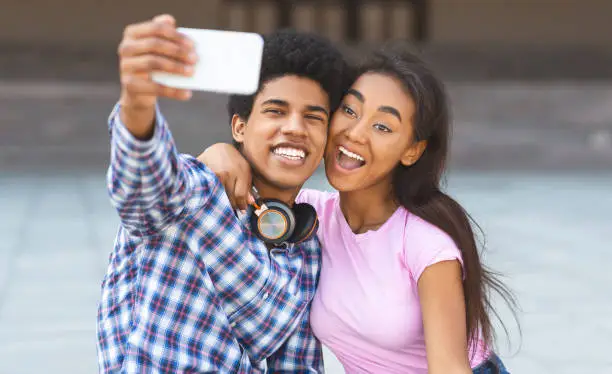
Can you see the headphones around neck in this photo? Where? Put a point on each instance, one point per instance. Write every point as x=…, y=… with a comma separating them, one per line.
x=276, y=223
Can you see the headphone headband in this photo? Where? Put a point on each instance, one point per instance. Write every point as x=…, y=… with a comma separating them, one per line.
x=255, y=193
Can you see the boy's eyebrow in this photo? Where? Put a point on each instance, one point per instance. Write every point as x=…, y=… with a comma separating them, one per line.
x=316, y=108
x=276, y=102
x=283, y=103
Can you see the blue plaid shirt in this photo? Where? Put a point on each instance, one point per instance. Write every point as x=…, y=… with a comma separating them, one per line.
x=189, y=288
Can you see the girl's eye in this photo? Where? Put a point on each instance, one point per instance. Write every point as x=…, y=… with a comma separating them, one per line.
x=346, y=109
x=381, y=127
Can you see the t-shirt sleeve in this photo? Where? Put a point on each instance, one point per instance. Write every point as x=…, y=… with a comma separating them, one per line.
x=318, y=199
x=426, y=246
x=322, y=202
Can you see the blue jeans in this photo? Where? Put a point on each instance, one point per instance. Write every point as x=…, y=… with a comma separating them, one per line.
x=493, y=365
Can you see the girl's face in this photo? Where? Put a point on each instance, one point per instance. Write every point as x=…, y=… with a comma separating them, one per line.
x=370, y=134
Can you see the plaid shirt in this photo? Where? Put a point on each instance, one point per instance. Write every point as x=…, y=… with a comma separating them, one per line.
x=189, y=288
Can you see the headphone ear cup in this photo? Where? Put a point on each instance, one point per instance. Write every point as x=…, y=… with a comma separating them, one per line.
x=306, y=222
x=278, y=216
x=253, y=220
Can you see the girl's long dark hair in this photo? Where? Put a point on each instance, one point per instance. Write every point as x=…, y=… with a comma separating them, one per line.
x=417, y=187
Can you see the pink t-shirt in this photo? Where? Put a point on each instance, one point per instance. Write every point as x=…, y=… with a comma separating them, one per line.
x=366, y=309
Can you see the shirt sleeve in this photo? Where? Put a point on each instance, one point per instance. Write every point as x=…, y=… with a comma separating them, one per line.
x=322, y=202
x=426, y=246
x=316, y=198
x=147, y=180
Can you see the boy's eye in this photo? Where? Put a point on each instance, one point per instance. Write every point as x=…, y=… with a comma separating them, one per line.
x=273, y=111
x=316, y=118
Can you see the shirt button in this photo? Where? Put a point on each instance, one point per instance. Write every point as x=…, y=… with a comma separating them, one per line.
x=265, y=296
x=233, y=324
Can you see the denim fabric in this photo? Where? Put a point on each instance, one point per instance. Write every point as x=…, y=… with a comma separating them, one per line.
x=493, y=365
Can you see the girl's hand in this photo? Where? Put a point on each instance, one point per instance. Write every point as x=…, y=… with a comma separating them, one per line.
x=233, y=171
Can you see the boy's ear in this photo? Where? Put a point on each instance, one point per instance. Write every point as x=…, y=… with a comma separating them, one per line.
x=238, y=128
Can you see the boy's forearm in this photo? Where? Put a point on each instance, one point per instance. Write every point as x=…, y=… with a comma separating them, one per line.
x=138, y=119
x=145, y=179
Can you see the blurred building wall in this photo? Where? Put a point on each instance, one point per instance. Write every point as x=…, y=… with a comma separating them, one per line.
x=541, y=22
x=454, y=22
x=46, y=124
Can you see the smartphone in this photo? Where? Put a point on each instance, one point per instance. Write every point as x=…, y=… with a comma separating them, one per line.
x=229, y=62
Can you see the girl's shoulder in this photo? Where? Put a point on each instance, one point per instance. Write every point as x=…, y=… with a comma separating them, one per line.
x=320, y=200
x=426, y=244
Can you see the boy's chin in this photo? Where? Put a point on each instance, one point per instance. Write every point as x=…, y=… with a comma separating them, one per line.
x=285, y=183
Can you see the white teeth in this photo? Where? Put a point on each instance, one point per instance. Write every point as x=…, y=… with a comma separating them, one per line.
x=293, y=153
x=351, y=154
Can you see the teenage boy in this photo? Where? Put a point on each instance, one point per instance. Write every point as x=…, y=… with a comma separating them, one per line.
x=190, y=287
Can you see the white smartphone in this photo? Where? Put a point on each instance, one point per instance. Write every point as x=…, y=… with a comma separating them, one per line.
x=228, y=62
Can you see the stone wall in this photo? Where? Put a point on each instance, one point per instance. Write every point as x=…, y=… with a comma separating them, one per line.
x=454, y=22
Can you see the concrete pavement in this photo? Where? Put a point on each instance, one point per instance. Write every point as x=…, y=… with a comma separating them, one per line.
x=532, y=162
x=549, y=234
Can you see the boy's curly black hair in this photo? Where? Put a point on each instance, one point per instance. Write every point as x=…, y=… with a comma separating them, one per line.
x=289, y=52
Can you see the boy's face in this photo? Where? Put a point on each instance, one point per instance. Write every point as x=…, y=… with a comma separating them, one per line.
x=285, y=136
